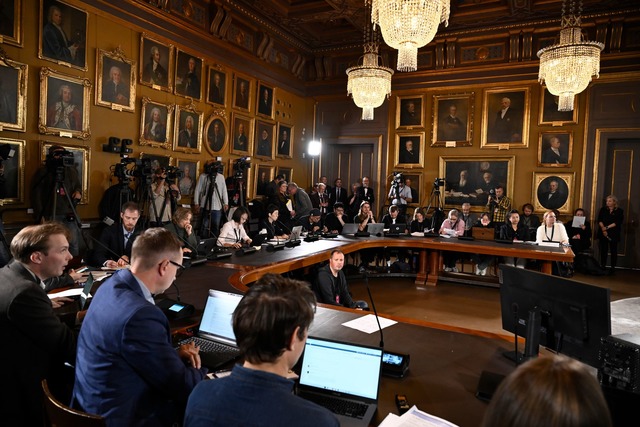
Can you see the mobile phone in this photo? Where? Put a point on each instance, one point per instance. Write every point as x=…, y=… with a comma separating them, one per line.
x=402, y=403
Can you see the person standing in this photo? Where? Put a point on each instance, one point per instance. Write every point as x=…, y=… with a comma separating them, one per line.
x=301, y=202
x=211, y=194
x=331, y=285
x=610, y=219
x=499, y=204
x=365, y=193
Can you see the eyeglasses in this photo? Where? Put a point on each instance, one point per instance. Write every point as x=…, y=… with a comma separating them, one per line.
x=180, y=268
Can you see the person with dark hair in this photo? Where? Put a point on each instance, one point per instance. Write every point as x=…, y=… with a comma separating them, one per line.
x=393, y=217
x=55, y=43
x=483, y=261
x=337, y=194
x=453, y=226
x=233, y=234
x=610, y=219
x=270, y=324
x=550, y=391
x=28, y=323
x=331, y=285
x=118, y=238
x=273, y=187
x=272, y=225
x=180, y=226
x=337, y=219
x=418, y=224
x=580, y=236
x=499, y=204
x=165, y=197
x=212, y=197
x=530, y=220
x=514, y=231
x=127, y=369
x=313, y=222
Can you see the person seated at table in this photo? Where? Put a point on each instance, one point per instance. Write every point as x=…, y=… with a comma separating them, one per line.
x=180, y=226
x=364, y=218
x=580, y=236
x=337, y=219
x=553, y=391
x=453, y=227
x=272, y=225
x=419, y=222
x=331, y=285
x=233, y=234
x=551, y=230
x=530, y=220
x=117, y=239
x=313, y=222
x=514, y=231
x=393, y=218
x=483, y=261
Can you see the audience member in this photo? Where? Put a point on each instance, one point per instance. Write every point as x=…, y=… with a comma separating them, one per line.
x=580, y=236
x=452, y=227
x=272, y=225
x=233, y=234
x=165, y=196
x=353, y=203
x=364, y=218
x=180, y=226
x=337, y=194
x=514, y=231
x=331, y=285
x=483, y=261
x=337, y=219
x=116, y=240
x=419, y=223
x=400, y=196
x=530, y=220
x=313, y=223
x=469, y=218
x=393, y=217
x=610, y=220
x=300, y=201
x=212, y=196
x=365, y=193
x=499, y=204
x=320, y=199
x=274, y=187
x=551, y=231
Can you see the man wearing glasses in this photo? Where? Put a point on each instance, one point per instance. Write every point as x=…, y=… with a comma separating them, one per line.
x=126, y=368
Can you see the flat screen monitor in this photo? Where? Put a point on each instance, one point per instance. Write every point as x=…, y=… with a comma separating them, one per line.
x=573, y=316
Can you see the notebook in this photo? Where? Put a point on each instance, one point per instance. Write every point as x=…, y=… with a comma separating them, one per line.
x=215, y=336
x=482, y=233
x=376, y=229
x=342, y=374
x=349, y=229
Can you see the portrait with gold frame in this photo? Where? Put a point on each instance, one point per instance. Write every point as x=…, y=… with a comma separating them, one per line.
x=156, y=121
x=185, y=139
x=188, y=80
x=190, y=173
x=284, y=147
x=409, y=112
x=242, y=134
x=508, y=129
x=81, y=160
x=242, y=90
x=453, y=120
x=115, y=80
x=13, y=172
x=553, y=191
x=217, y=87
x=287, y=173
x=11, y=23
x=264, y=100
x=555, y=149
x=157, y=161
x=409, y=152
x=69, y=49
x=216, y=132
x=263, y=176
x=153, y=51
x=13, y=95
x=64, y=104
x=549, y=114
x=416, y=187
x=263, y=148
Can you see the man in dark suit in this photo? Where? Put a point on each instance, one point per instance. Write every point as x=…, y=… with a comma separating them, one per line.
x=553, y=155
x=240, y=140
x=127, y=369
x=337, y=194
x=408, y=154
x=552, y=199
x=188, y=137
x=115, y=90
x=507, y=126
x=216, y=90
x=365, y=193
x=153, y=71
x=264, y=106
x=118, y=238
x=284, y=144
x=36, y=343
x=273, y=186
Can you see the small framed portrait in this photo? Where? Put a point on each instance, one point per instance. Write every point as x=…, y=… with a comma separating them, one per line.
x=13, y=95
x=555, y=149
x=242, y=89
x=12, y=170
x=409, y=112
x=287, y=173
x=553, y=191
x=188, y=75
x=215, y=132
x=505, y=118
x=242, y=131
x=156, y=59
x=471, y=179
x=155, y=123
x=64, y=104
x=264, y=140
x=549, y=114
x=63, y=34
x=116, y=81
x=81, y=159
x=188, y=128
x=217, y=89
x=285, y=136
x=264, y=175
x=187, y=183
x=453, y=120
x=11, y=22
x=264, y=100
x=414, y=182
x=157, y=161
x=409, y=150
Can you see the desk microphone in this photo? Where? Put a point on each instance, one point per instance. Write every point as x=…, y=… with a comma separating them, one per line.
x=175, y=309
x=365, y=276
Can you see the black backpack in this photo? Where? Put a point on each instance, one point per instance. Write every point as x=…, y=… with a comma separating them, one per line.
x=586, y=264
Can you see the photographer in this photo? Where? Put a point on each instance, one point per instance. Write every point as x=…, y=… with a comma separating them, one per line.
x=48, y=192
x=400, y=195
x=211, y=192
x=165, y=194
x=499, y=205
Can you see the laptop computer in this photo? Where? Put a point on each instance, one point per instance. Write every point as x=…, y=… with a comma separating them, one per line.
x=215, y=336
x=87, y=293
x=349, y=229
x=376, y=229
x=395, y=230
x=206, y=245
x=482, y=233
x=341, y=375
x=295, y=233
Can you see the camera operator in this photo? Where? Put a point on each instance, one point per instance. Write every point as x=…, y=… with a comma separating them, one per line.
x=211, y=193
x=400, y=195
x=57, y=176
x=165, y=194
x=499, y=204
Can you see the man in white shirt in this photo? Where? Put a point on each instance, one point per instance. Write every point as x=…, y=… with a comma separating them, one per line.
x=211, y=193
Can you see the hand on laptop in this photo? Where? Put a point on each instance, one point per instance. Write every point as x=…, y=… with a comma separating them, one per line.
x=59, y=302
x=189, y=353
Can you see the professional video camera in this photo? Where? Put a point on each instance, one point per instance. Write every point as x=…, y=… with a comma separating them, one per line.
x=240, y=166
x=173, y=174
x=129, y=168
x=6, y=152
x=397, y=179
x=59, y=159
x=438, y=182
x=213, y=168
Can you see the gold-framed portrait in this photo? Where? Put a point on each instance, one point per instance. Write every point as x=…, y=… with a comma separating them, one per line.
x=12, y=191
x=242, y=134
x=81, y=161
x=64, y=105
x=264, y=100
x=265, y=132
x=115, y=80
x=13, y=95
x=409, y=152
x=287, y=173
x=157, y=161
x=553, y=191
x=285, y=136
x=263, y=176
x=242, y=90
x=63, y=34
x=156, y=122
x=188, y=75
x=470, y=179
x=187, y=183
x=188, y=129
x=216, y=133
x=156, y=61
x=555, y=149
x=549, y=114
x=11, y=22
x=217, y=88
x=409, y=112
x=505, y=117
x=414, y=182
x=453, y=120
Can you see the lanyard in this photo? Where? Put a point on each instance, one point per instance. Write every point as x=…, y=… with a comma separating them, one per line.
x=553, y=229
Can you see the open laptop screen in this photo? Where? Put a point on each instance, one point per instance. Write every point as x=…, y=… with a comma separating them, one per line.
x=216, y=319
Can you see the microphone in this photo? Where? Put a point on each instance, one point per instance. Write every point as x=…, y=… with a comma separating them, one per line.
x=175, y=309
x=282, y=224
x=365, y=276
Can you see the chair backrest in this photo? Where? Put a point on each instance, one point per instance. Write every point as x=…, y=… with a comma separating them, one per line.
x=60, y=415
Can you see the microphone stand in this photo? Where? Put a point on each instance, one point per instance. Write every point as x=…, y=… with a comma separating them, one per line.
x=365, y=276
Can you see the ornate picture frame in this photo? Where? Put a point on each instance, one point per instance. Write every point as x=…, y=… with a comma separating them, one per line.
x=555, y=149
x=511, y=128
x=187, y=129
x=417, y=198
x=156, y=62
x=263, y=176
x=264, y=100
x=284, y=147
x=470, y=179
x=409, y=151
x=115, y=80
x=286, y=172
x=242, y=90
x=242, y=135
x=453, y=120
x=63, y=34
x=157, y=160
x=553, y=191
x=13, y=95
x=188, y=76
x=409, y=112
x=13, y=173
x=263, y=142
x=82, y=157
x=60, y=112
x=549, y=114
x=187, y=184
x=217, y=86
x=216, y=132
x=156, y=121
x=11, y=25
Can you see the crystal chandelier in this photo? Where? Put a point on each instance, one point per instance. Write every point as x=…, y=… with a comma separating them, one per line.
x=370, y=83
x=567, y=67
x=407, y=25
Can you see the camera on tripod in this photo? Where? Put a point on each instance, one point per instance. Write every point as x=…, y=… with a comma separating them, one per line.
x=240, y=166
x=59, y=159
x=173, y=174
x=397, y=179
x=438, y=182
x=213, y=168
x=132, y=168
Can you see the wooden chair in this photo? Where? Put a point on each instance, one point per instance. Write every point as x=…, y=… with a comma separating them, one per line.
x=60, y=415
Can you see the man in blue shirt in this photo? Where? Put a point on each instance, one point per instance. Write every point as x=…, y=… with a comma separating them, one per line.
x=270, y=324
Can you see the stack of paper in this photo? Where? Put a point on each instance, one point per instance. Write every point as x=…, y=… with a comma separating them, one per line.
x=415, y=418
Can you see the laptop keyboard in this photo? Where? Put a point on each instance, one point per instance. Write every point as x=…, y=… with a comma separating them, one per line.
x=207, y=346
x=339, y=406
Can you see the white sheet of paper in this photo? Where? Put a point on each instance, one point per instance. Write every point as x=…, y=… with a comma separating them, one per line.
x=368, y=324
x=578, y=221
x=415, y=418
x=68, y=293
x=289, y=205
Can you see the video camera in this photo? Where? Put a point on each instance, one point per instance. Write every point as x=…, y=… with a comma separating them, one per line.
x=438, y=182
x=240, y=166
x=6, y=152
x=173, y=174
x=397, y=179
x=132, y=168
x=213, y=168
x=59, y=159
